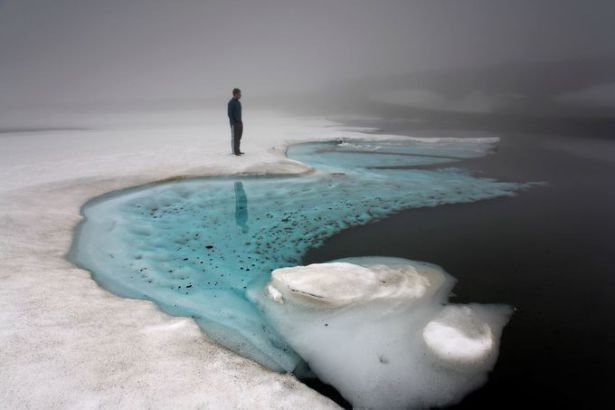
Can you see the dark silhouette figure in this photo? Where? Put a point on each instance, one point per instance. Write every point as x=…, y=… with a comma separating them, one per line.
x=234, y=115
x=241, y=207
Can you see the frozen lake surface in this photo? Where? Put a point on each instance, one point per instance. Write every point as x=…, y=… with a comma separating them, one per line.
x=196, y=247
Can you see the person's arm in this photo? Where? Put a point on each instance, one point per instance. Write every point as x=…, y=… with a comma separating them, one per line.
x=231, y=112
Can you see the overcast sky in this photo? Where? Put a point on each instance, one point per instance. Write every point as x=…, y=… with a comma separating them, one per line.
x=91, y=50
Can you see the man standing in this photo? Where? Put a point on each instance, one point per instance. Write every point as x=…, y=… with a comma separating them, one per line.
x=234, y=115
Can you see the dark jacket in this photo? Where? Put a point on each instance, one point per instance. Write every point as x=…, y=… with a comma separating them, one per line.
x=234, y=111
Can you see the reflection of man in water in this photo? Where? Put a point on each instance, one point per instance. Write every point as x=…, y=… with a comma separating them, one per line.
x=241, y=207
x=234, y=116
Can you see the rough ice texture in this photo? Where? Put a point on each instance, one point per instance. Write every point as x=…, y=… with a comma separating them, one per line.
x=343, y=283
x=458, y=337
x=68, y=343
x=377, y=330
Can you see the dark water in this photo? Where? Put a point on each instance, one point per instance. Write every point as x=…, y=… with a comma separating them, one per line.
x=548, y=252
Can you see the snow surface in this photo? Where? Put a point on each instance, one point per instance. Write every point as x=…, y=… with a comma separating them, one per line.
x=66, y=342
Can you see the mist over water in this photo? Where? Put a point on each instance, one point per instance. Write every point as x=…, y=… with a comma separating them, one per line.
x=145, y=52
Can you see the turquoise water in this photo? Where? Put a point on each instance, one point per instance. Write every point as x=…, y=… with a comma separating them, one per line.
x=194, y=247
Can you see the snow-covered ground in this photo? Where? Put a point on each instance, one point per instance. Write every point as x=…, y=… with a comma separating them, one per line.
x=66, y=342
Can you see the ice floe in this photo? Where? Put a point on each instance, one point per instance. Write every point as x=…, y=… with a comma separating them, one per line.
x=380, y=330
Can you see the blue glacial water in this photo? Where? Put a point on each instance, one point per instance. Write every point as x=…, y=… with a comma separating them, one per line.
x=195, y=246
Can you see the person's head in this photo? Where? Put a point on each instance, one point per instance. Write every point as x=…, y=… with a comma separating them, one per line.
x=236, y=93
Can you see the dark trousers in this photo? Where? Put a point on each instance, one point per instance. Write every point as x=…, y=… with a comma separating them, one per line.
x=236, y=132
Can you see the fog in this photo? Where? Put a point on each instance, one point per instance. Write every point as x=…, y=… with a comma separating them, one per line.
x=97, y=96
x=85, y=51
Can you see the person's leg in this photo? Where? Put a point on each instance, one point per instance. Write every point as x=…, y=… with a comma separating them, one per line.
x=232, y=139
x=238, y=131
